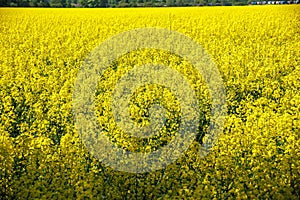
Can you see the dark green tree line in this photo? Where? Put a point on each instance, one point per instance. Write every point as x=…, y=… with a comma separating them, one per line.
x=117, y=3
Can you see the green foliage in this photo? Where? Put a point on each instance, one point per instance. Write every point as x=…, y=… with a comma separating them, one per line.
x=113, y=3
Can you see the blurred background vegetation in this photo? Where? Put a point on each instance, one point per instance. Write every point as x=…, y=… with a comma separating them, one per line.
x=126, y=3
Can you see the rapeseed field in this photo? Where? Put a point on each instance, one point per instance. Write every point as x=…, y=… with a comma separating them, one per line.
x=256, y=51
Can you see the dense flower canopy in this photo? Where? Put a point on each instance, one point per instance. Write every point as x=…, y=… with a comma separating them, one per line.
x=256, y=50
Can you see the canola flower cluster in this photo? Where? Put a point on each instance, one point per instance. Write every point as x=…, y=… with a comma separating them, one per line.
x=257, y=156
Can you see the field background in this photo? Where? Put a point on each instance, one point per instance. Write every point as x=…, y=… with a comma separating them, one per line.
x=257, y=51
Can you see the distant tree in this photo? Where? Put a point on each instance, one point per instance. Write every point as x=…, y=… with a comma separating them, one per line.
x=112, y=3
x=83, y=3
x=3, y=3
x=123, y=3
x=103, y=3
x=69, y=3
x=170, y=2
x=117, y=3
x=63, y=3
x=132, y=3
x=55, y=3
x=33, y=3
x=43, y=3
x=93, y=3
x=179, y=2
